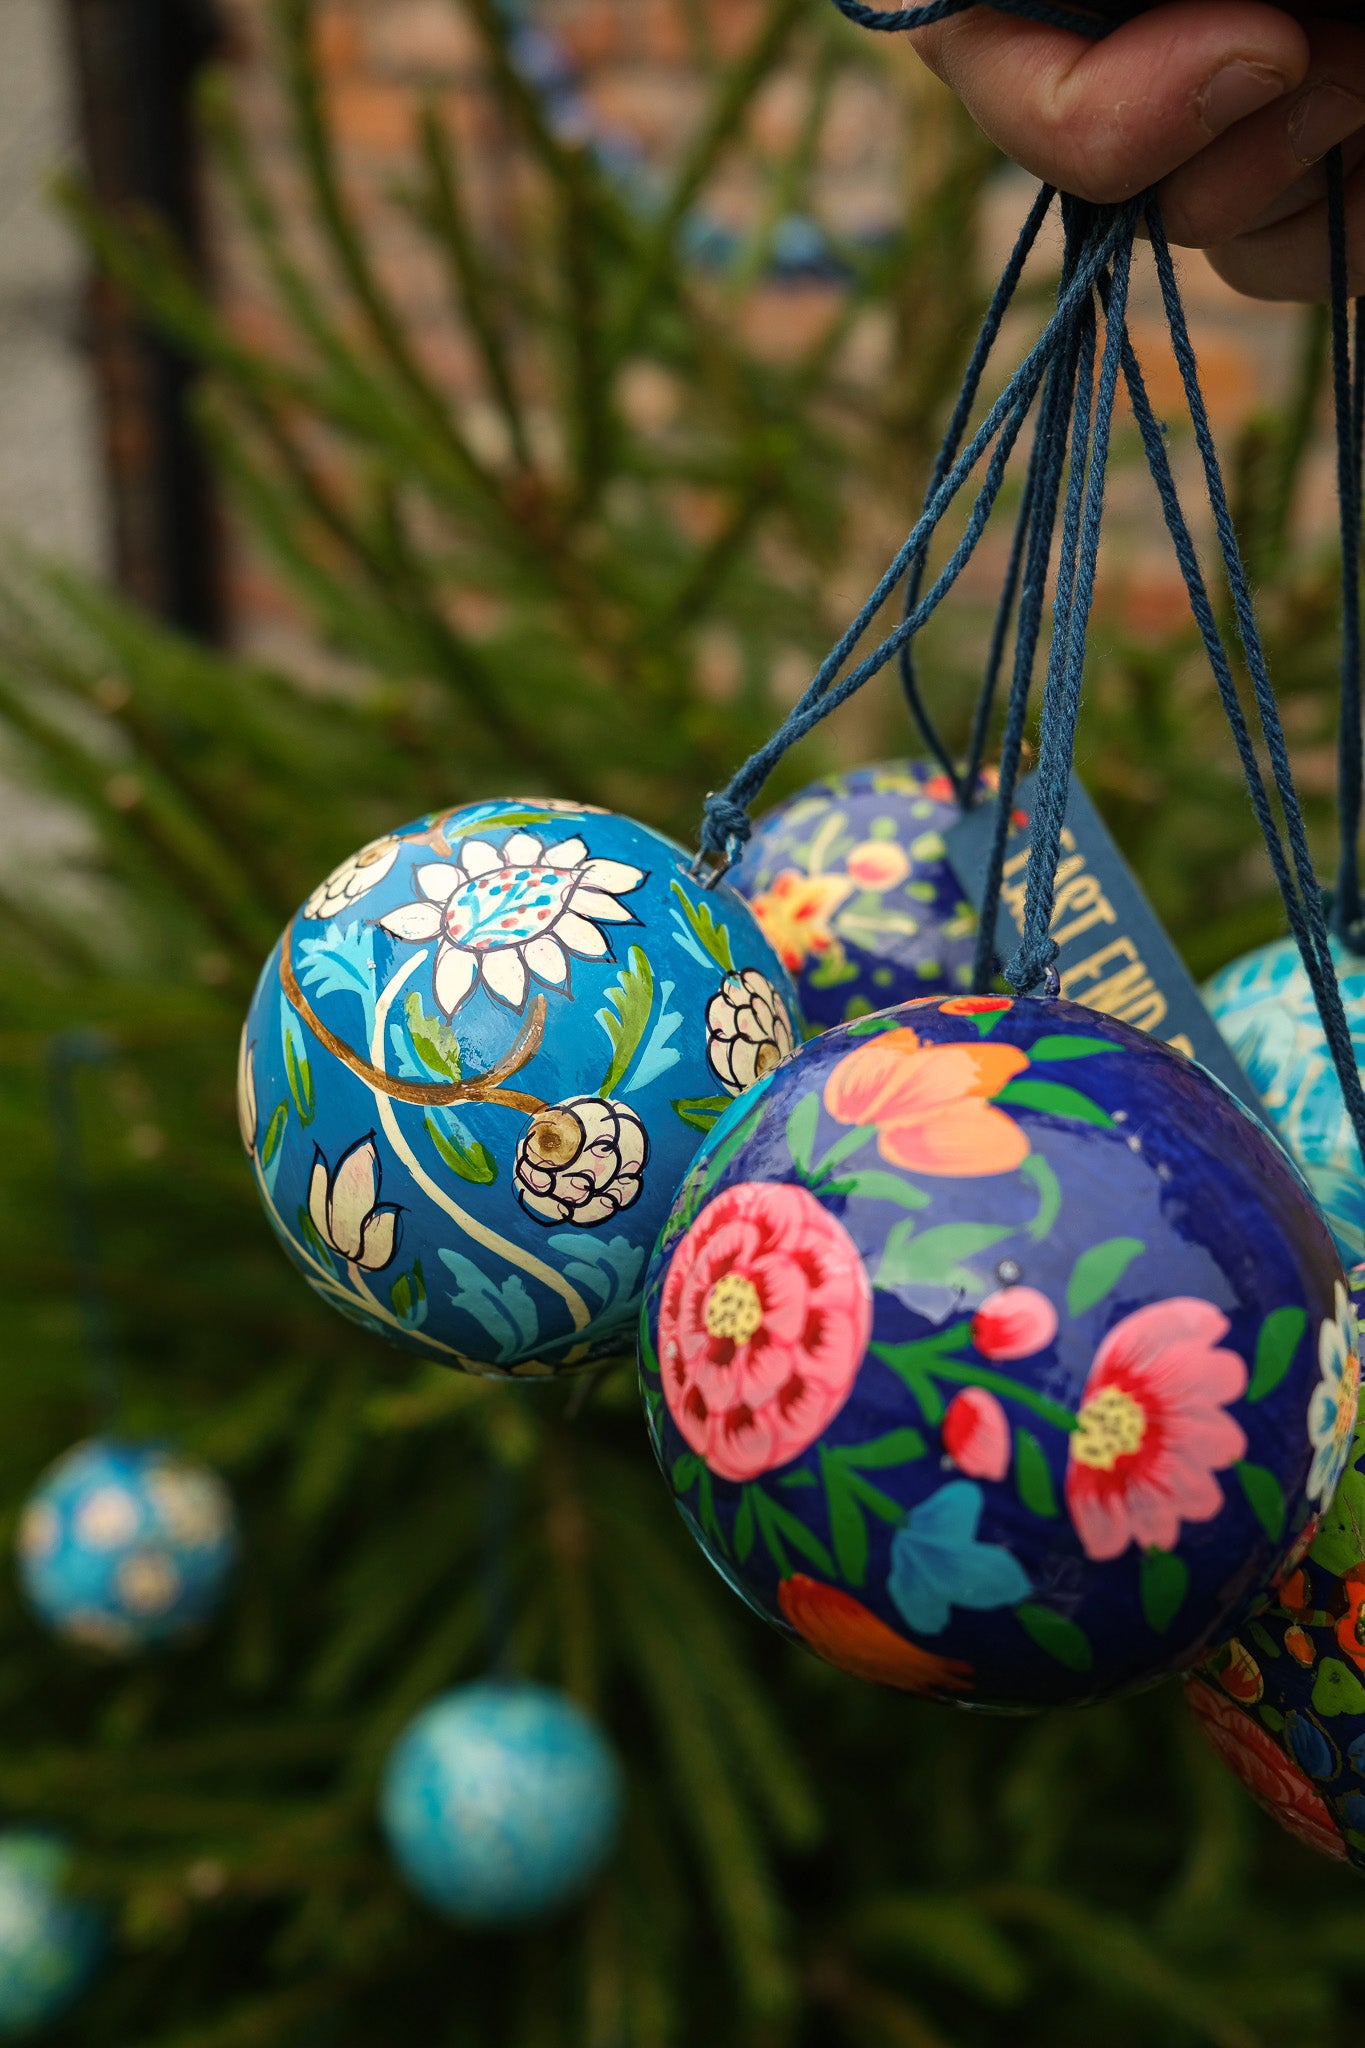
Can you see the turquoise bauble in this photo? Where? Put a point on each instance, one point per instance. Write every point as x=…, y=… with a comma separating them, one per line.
x=126, y=1547
x=995, y=1352
x=851, y=882
x=1263, y=1005
x=51, y=1944
x=500, y=1802
x=478, y=1063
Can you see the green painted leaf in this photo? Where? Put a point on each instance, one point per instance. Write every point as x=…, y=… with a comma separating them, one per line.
x=867, y=1026
x=706, y=1510
x=1059, y=1637
x=1264, y=1641
x=1163, y=1582
x=726, y=1150
x=1060, y=1046
x=299, y=1074
x=1264, y=1497
x=1098, y=1271
x=1039, y=1173
x=1281, y=1334
x=897, y=1447
x=1033, y=1475
x=274, y=1132
x=848, y=1530
x=435, y=1042
x=777, y=1526
x=801, y=1477
x=710, y=936
x=874, y=1500
x=1337, y=1690
x=408, y=1292
x=884, y=1187
x=685, y=1471
x=1057, y=1100
x=625, y=1017
x=699, y=1112
x=471, y=1162
x=843, y=1148
x=935, y=1256
x=309, y=1232
x=801, y=1128
x=1339, y=1545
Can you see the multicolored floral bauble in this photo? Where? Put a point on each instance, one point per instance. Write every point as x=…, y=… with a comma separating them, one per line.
x=500, y=1802
x=995, y=1352
x=1283, y=1702
x=1263, y=1005
x=851, y=882
x=51, y=1944
x=476, y=1067
x=126, y=1547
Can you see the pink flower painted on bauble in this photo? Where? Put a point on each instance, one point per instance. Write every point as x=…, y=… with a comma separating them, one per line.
x=763, y=1323
x=1153, y=1428
x=1014, y=1322
x=976, y=1434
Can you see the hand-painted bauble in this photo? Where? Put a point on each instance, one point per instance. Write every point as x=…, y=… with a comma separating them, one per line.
x=501, y=1802
x=997, y=1352
x=476, y=1067
x=1263, y=1005
x=51, y=1943
x=1283, y=1702
x=851, y=883
x=126, y=1547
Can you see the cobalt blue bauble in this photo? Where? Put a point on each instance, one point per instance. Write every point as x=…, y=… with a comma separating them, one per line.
x=476, y=1067
x=51, y=1944
x=1283, y=1702
x=851, y=883
x=997, y=1353
x=500, y=1802
x=126, y=1547
x=1263, y=1005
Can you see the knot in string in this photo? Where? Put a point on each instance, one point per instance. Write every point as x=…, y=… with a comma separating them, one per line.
x=726, y=826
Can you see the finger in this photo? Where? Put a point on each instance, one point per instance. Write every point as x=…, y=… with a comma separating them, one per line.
x=1255, y=174
x=1105, y=119
x=1290, y=259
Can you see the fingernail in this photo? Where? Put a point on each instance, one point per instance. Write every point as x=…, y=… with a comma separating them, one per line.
x=1236, y=91
x=1320, y=118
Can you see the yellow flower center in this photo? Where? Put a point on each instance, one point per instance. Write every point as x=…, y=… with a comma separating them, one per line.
x=766, y=1060
x=555, y=1138
x=1109, y=1427
x=733, y=1309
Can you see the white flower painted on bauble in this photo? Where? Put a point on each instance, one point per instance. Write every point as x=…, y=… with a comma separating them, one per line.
x=503, y=916
x=246, y=1093
x=354, y=878
x=346, y=1211
x=1332, y=1409
x=581, y=1161
x=748, y=1030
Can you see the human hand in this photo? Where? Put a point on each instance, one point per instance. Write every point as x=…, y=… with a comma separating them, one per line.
x=1229, y=104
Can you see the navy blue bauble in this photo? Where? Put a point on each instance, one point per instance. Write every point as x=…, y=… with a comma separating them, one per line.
x=500, y=1802
x=994, y=1351
x=126, y=1547
x=51, y=1944
x=1264, y=1006
x=851, y=883
x=476, y=1068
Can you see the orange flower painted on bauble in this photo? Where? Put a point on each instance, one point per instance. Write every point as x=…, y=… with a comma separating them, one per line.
x=930, y=1103
x=794, y=913
x=845, y=1633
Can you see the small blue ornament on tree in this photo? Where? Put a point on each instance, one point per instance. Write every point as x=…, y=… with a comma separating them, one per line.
x=1264, y=1006
x=51, y=1944
x=501, y=1802
x=126, y=1547
x=850, y=881
x=476, y=1067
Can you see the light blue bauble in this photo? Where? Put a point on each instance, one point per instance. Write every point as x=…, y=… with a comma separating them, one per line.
x=500, y=1802
x=478, y=1064
x=126, y=1547
x=1263, y=1005
x=51, y=1945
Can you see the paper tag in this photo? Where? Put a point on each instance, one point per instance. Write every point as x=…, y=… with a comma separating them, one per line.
x=1113, y=954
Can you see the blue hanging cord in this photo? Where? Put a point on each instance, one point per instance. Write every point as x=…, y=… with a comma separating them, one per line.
x=67, y=1055
x=892, y=21
x=964, y=786
x=1346, y=910
x=726, y=825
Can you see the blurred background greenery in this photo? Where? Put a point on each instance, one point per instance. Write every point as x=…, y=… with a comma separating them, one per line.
x=597, y=562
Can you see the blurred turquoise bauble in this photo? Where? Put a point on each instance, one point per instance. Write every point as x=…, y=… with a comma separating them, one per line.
x=50, y=1945
x=1264, y=1007
x=126, y=1547
x=500, y=1802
